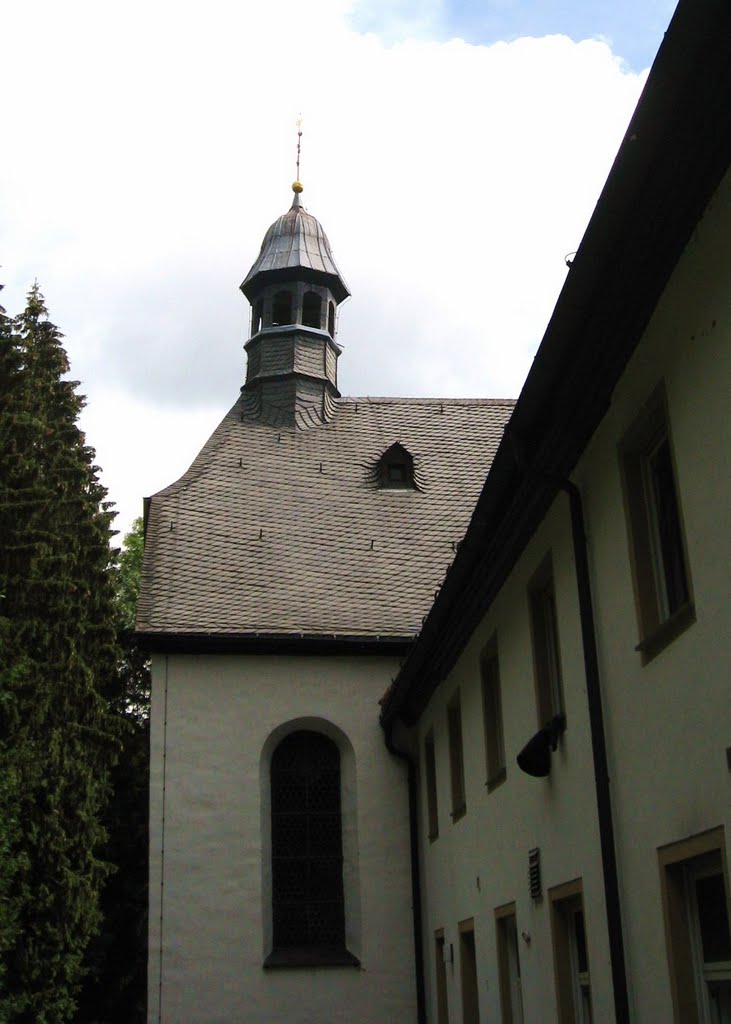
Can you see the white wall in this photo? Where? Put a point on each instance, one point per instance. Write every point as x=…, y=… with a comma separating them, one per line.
x=480, y=862
x=668, y=723
x=214, y=721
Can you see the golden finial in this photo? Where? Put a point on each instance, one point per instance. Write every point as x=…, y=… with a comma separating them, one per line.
x=297, y=185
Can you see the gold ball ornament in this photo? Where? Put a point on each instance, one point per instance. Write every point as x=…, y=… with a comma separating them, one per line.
x=297, y=186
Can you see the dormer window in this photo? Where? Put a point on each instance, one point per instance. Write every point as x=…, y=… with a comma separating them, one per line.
x=396, y=468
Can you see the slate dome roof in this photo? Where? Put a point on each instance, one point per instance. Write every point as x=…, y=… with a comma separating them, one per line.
x=295, y=241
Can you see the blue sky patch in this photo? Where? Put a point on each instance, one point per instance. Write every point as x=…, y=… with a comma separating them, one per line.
x=633, y=28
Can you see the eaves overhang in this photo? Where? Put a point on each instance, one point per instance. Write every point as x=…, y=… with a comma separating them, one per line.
x=254, y=282
x=673, y=156
x=273, y=643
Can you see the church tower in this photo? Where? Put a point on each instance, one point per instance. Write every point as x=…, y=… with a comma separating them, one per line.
x=294, y=288
x=286, y=575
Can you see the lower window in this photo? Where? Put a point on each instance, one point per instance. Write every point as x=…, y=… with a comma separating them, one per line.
x=308, y=911
x=440, y=967
x=468, y=973
x=696, y=905
x=571, y=961
x=508, y=955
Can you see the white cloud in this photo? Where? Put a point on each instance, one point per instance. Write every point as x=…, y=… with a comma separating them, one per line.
x=153, y=144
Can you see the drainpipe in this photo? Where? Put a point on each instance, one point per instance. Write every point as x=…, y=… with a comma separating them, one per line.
x=599, y=749
x=415, y=875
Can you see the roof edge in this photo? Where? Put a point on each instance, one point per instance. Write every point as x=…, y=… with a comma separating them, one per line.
x=656, y=193
x=272, y=643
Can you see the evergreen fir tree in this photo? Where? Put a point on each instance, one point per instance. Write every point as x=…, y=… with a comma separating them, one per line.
x=57, y=736
x=115, y=988
x=10, y=366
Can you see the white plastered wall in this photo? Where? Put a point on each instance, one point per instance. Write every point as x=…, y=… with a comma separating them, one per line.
x=669, y=721
x=668, y=724
x=480, y=862
x=215, y=719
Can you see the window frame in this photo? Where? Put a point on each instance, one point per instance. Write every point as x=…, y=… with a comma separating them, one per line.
x=312, y=309
x=430, y=783
x=395, y=470
x=468, y=972
x=678, y=863
x=456, y=756
x=655, y=556
x=509, y=969
x=566, y=902
x=546, y=645
x=257, y=316
x=282, y=308
x=440, y=979
x=492, y=715
x=309, y=953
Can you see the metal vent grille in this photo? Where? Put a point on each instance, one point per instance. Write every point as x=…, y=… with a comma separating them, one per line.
x=307, y=852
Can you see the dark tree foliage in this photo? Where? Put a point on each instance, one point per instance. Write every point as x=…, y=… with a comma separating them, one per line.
x=116, y=985
x=58, y=739
x=10, y=366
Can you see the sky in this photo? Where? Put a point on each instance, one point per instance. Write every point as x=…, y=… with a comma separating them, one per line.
x=453, y=152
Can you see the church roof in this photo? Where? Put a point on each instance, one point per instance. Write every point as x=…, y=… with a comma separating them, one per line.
x=284, y=532
x=295, y=241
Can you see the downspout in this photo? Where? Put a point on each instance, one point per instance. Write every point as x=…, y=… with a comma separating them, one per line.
x=599, y=750
x=415, y=875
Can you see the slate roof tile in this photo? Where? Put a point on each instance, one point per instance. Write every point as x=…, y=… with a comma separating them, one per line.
x=282, y=530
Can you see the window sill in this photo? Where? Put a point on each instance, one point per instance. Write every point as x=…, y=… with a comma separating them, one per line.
x=666, y=632
x=496, y=780
x=458, y=812
x=311, y=956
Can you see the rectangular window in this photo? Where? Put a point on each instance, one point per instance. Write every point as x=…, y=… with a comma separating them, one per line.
x=456, y=756
x=571, y=962
x=430, y=769
x=468, y=973
x=659, y=564
x=508, y=956
x=696, y=908
x=544, y=632
x=440, y=970
x=492, y=715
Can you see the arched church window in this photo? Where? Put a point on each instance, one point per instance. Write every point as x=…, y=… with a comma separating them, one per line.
x=282, y=309
x=331, y=319
x=311, y=310
x=308, y=915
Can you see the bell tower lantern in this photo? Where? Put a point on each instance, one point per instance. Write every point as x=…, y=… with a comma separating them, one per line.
x=294, y=288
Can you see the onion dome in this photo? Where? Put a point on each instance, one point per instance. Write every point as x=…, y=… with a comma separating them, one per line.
x=295, y=246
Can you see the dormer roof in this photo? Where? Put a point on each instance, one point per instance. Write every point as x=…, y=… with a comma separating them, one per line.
x=295, y=245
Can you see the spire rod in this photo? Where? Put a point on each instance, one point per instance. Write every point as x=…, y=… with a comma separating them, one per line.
x=299, y=137
x=297, y=184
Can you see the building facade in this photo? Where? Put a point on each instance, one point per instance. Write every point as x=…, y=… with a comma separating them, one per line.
x=569, y=694
x=543, y=836
x=285, y=576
